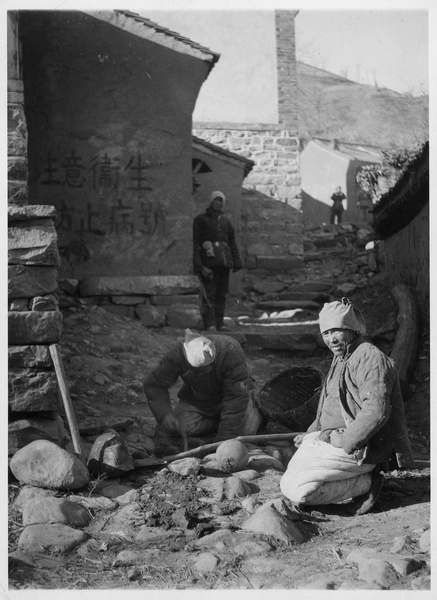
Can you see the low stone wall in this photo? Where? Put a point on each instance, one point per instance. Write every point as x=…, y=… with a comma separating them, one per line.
x=34, y=323
x=157, y=300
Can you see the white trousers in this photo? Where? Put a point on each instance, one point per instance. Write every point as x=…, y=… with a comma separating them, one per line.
x=319, y=473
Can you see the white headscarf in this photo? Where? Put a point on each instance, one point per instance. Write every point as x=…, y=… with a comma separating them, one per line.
x=341, y=315
x=218, y=195
x=200, y=351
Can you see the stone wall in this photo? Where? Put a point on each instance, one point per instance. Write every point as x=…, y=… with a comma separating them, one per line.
x=34, y=319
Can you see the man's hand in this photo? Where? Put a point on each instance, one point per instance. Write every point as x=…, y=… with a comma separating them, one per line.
x=299, y=439
x=171, y=423
x=336, y=438
x=205, y=272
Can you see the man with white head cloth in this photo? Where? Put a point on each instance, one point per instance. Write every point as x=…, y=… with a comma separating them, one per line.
x=215, y=396
x=215, y=254
x=360, y=421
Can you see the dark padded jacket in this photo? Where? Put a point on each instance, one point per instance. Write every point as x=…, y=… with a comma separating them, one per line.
x=221, y=388
x=214, y=227
x=372, y=406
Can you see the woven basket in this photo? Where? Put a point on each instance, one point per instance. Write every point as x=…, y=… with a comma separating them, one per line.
x=290, y=398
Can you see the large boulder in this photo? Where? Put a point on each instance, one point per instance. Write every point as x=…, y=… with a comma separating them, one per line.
x=44, y=464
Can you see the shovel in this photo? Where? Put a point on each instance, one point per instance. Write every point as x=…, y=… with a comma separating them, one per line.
x=208, y=448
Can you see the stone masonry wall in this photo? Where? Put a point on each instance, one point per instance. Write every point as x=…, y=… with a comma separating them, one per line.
x=34, y=320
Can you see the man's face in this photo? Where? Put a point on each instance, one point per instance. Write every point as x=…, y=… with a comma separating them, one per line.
x=217, y=204
x=338, y=340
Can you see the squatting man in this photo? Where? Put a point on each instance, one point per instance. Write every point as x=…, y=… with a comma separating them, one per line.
x=216, y=394
x=360, y=421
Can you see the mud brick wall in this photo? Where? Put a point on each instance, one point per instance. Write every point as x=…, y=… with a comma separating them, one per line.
x=34, y=320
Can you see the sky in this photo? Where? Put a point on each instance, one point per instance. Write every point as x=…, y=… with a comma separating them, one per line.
x=382, y=41
x=389, y=48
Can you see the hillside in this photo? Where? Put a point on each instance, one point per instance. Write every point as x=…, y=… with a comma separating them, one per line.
x=332, y=106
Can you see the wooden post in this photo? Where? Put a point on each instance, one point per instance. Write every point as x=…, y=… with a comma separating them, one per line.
x=68, y=406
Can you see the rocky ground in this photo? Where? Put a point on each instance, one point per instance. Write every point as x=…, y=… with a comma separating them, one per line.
x=190, y=526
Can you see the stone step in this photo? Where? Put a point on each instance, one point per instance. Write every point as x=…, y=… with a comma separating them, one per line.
x=295, y=337
x=287, y=305
x=294, y=296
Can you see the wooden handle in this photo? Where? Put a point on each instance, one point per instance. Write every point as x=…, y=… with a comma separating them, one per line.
x=68, y=406
x=250, y=439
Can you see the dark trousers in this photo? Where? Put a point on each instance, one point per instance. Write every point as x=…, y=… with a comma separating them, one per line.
x=337, y=213
x=216, y=289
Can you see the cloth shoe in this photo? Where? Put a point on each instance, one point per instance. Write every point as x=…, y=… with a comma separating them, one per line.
x=211, y=328
x=224, y=328
x=363, y=504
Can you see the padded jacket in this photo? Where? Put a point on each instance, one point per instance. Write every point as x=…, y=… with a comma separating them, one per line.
x=215, y=228
x=372, y=406
x=220, y=388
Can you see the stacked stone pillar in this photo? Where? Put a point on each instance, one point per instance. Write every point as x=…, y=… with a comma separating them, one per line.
x=34, y=319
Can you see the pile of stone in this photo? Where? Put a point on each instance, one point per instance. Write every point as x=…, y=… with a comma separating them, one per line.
x=34, y=323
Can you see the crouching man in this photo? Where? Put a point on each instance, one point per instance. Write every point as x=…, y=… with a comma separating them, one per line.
x=215, y=396
x=360, y=421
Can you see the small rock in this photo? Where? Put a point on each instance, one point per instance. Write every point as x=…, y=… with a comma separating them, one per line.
x=95, y=503
x=135, y=557
x=50, y=537
x=421, y=583
x=44, y=464
x=29, y=494
x=154, y=534
x=425, y=541
x=114, y=491
x=55, y=510
x=320, y=583
x=222, y=537
x=400, y=544
x=268, y=521
x=236, y=488
x=252, y=548
x=262, y=462
x=351, y=584
x=249, y=475
x=251, y=505
x=185, y=466
x=377, y=571
x=109, y=455
x=404, y=565
x=205, y=563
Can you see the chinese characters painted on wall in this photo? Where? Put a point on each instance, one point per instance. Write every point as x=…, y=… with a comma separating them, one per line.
x=124, y=188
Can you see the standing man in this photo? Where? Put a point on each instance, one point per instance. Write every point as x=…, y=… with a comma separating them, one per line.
x=215, y=253
x=337, y=205
x=360, y=421
x=364, y=205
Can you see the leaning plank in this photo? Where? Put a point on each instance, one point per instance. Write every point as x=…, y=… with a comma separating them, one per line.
x=405, y=347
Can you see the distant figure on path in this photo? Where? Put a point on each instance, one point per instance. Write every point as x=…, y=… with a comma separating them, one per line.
x=215, y=253
x=337, y=205
x=364, y=205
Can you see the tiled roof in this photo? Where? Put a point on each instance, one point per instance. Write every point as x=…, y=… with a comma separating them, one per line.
x=398, y=207
x=147, y=29
x=248, y=164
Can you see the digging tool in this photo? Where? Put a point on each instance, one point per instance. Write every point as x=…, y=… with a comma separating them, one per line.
x=207, y=448
x=68, y=406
